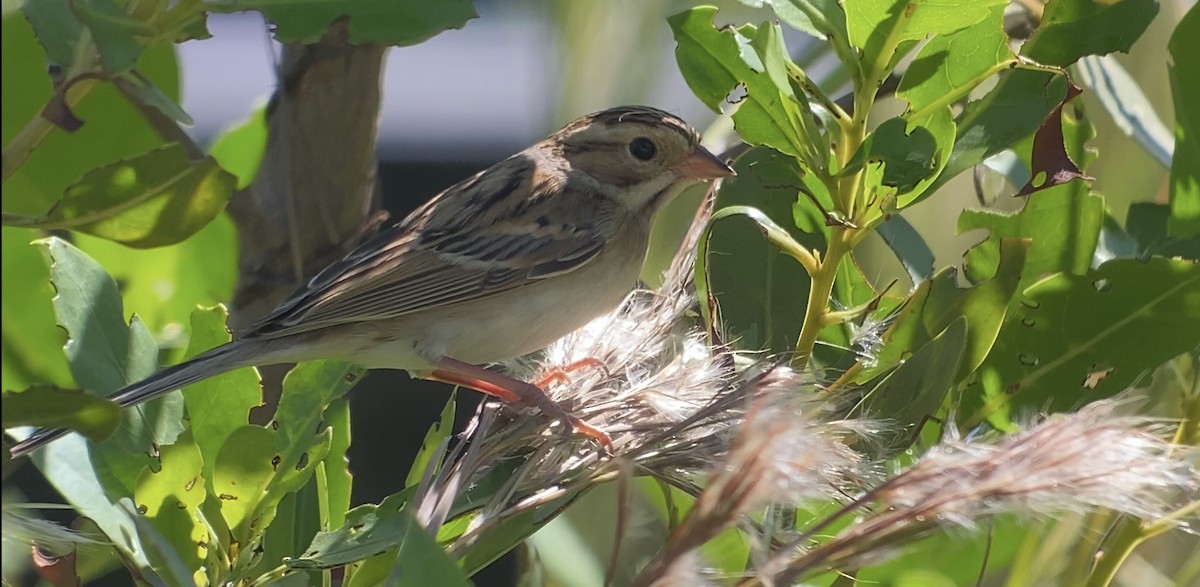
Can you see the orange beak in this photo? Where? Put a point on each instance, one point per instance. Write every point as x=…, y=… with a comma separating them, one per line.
x=702, y=164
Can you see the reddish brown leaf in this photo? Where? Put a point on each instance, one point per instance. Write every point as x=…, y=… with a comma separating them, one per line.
x=58, y=111
x=1049, y=160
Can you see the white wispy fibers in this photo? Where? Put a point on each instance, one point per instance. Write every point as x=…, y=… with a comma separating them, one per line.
x=1090, y=459
x=21, y=529
x=790, y=449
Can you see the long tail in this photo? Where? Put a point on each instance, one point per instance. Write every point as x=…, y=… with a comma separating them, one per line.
x=214, y=362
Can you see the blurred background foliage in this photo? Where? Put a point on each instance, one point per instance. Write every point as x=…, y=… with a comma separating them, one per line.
x=454, y=105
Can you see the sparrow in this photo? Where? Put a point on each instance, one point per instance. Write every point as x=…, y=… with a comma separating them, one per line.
x=495, y=267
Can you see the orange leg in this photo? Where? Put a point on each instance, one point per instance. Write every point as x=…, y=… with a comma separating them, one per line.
x=513, y=391
x=563, y=374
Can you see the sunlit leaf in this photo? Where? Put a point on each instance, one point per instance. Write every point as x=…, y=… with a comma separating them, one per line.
x=239, y=149
x=105, y=354
x=1064, y=223
x=219, y=405
x=1185, y=87
x=114, y=128
x=169, y=496
x=949, y=65
x=1071, y=29
x=714, y=62
x=32, y=343
x=52, y=407
x=879, y=27
x=156, y=199
x=1078, y=338
x=433, y=447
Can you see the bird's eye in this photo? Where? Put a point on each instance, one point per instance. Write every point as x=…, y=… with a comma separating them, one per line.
x=642, y=148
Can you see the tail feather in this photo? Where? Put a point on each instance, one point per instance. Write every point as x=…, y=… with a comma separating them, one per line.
x=209, y=364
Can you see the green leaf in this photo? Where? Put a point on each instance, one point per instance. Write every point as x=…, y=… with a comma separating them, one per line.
x=170, y=497
x=910, y=395
x=1148, y=225
x=307, y=392
x=52, y=407
x=881, y=28
x=1013, y=110
x=913, y=152
x=369, y=530
x=819, y=18
x=398, y=22
x=433, y=447
x=1064, y=223
x=105, y=355
x=112, y=31
x=1078, y=338
x=1071, y=29
x=165, y=284
x=1185, y=88
x=159, y=198
x=949, y=66
x=260, y=467
x=57, y=28
x=114, y=128
x=761, y=291
x=244, y=468
x=239, y=149
x=338, y=479
x=219, y=405
x=420, y=561
x=32, y=343
x=937, y=303
x=714, y=62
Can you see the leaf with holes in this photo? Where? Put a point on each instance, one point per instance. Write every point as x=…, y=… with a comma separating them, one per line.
x=1078, y=338
x=715, y=61
x=368, y=530
x=433, y=447
x=170, y=496
x=219, y=405
x=1064, y=223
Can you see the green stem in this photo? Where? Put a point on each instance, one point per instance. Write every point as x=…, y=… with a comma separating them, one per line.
x=841, y=240
x=1125, y=538
x=24, y=144
x=819, y=295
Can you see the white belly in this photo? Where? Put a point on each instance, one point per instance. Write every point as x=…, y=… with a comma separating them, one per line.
x=500, y=327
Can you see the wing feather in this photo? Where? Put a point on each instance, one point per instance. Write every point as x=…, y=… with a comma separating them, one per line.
x=465, y=244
